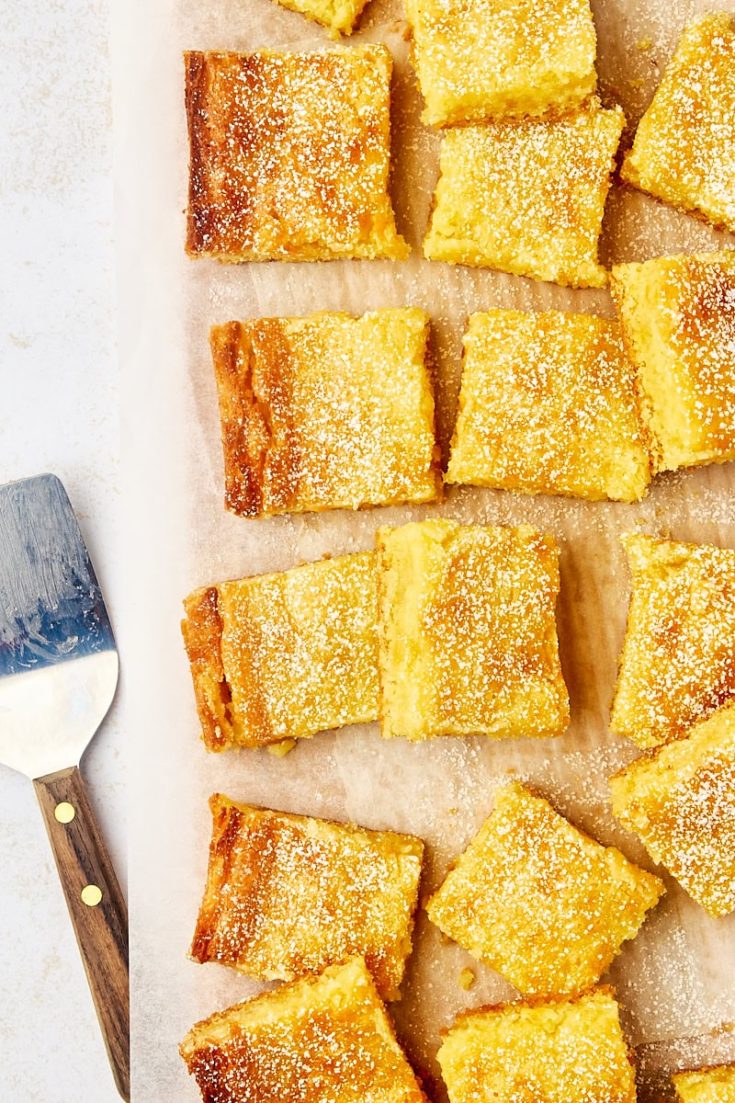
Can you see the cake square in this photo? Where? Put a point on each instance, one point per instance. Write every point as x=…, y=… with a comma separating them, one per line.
x=678, y=660
x=678, y=318
x=539, y=901
x=680, y=801
x=712, y=1085
x=289, y=895
x=289, y=155
x=561, y=1051
x=322, y=1040
x=549, y=405
x=527, y=196
x=684, y=149
x=476, y=60
x=338, y=16
x=467, y=634
x=282, y=656
x=326, y=411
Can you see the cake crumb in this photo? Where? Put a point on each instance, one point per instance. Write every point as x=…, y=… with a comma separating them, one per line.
x=280, y=750
x=466, y=979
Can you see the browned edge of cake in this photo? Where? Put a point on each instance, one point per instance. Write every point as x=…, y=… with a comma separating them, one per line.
x=202, y=632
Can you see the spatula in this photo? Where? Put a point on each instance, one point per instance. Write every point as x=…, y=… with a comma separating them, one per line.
x=58, y=674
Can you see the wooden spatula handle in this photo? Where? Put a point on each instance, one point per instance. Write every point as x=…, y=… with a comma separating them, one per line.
x=96, y=906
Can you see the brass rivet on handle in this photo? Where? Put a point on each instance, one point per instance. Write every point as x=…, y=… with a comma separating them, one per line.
x=65, y=812
x=91, y=895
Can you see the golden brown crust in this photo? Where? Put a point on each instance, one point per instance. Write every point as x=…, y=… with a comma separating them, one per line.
x=289, y=155
x=225, y=829
x=283, y=656
x=198, y=218
x=288, y=895
x=202, y=632
x=240, y=353
x=326, y=1040
x=326, y=411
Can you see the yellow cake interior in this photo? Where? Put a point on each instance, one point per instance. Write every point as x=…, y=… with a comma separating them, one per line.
x=338, y=16
x=288, y=895
x=684, y=148
x=467, y=631
x=540, y=901
x=480, y=59
x=680, y=801
x=562, y=1051
x=549, y=404
x=710, y=1085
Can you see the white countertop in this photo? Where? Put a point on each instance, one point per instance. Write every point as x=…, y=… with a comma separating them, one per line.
x=59, y=412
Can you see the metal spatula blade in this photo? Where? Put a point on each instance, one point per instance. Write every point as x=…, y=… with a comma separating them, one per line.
x=58, y=661
x=58, y=674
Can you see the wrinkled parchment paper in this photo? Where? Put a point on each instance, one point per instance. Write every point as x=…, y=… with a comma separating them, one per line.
x=677, y=979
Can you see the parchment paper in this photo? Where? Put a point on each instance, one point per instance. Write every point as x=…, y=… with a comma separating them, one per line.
x=675, y=981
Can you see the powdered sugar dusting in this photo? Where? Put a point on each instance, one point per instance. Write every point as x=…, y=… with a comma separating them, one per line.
x=289, y=155
x=684, y=149
x=541, y=902
x=328, y=1041
x=549, y=403
x=287, y=896
x=669, y=984
x=678, y=664
x=527, y=197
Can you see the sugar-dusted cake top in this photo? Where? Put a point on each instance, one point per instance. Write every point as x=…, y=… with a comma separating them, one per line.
x=467, y=631
x=678, y=318
x=288, y=895
x=283, y=656
x=549, y=404
x=480, y=59
x=326, y=411
x=684, y=148
x=527, y=196
x=322, y=1040
x=678, y=660
x=560, y=1051
x=680, y=801
x=540, y=901
x=289, y=155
